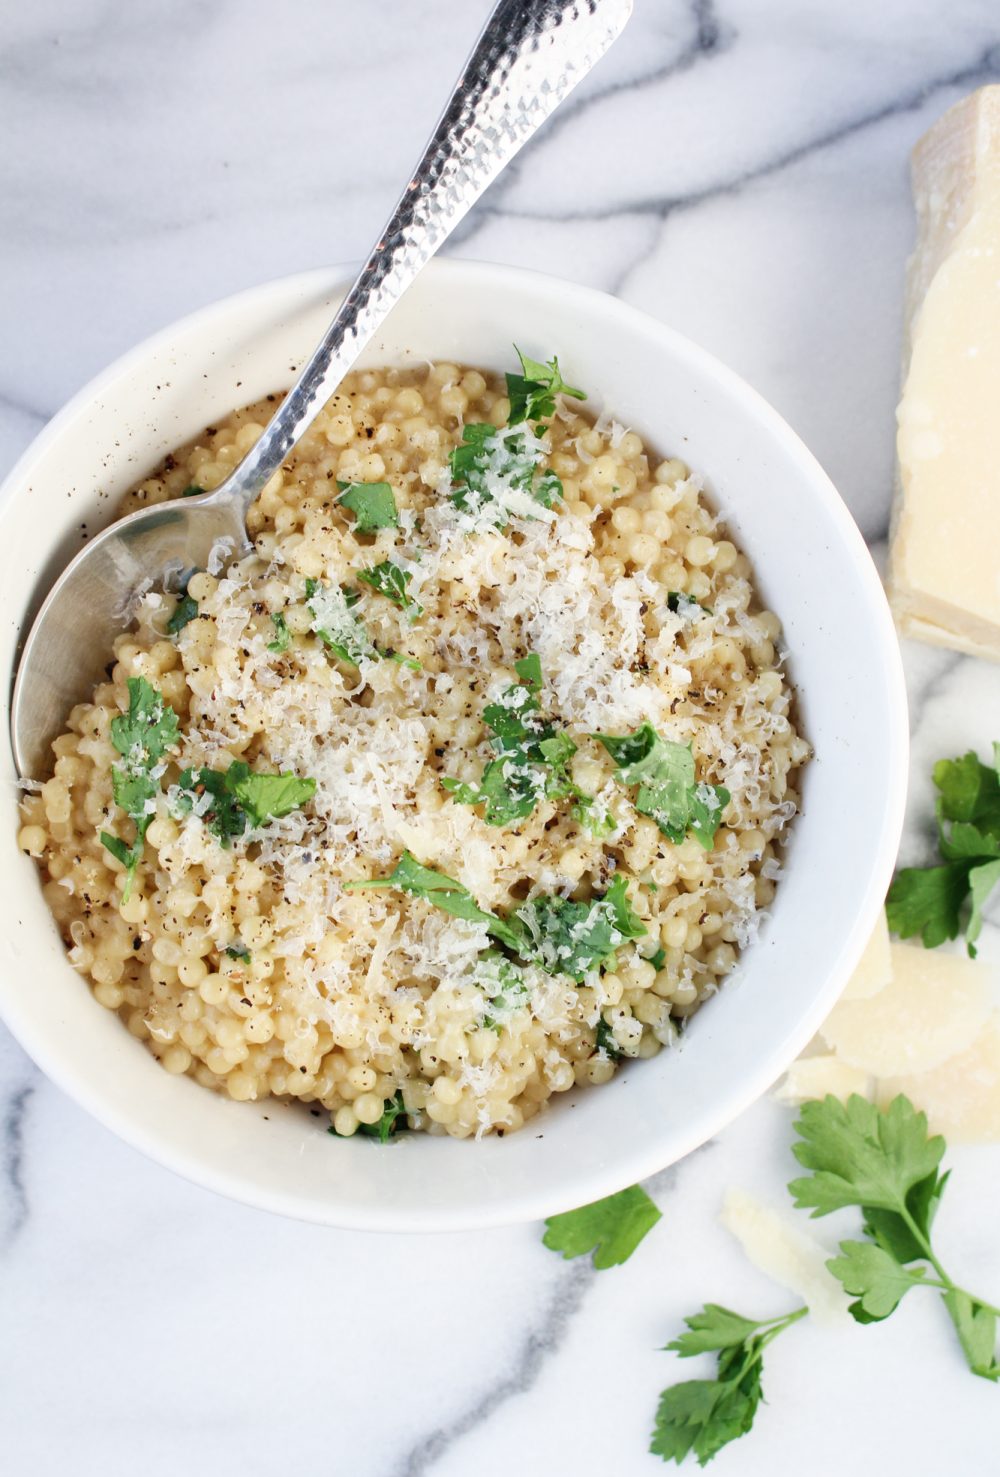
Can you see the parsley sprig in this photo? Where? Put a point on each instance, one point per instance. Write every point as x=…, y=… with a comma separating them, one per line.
x=561, y=935
x=532, y=393
x=668, y=790
x=700, y=1417
x=929, y=901
x=888, y=1165
x=142, y=736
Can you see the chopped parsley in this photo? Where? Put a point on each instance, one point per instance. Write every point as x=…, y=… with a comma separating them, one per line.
x=372, y=503
x=192, y=491
x=532, y=755
x=238, y=951
x=569, y=937
x=390, y=580
x=342, y=632
x=142, y=737
x=504, y=985
x=686, y=605
x=561, y=935
x=238, y=800
x=668, y=791
x=282, y=635
x=185, y=611
x=611, y=1228
x=490, y=463
x=384, y=1127
x=929, y=901
x=339, y=630
x=532, y=393
x=604, y=1040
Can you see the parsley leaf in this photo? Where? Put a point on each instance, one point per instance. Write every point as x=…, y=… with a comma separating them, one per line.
x=390, y=580
x=185, y=611
x=700, y=1417
x=267, y=797
x=532, y=393
x=858, y=1155
x=668, y=792
x=238, y=951
x=282, y=635
x=976, y=1326
x=192, y=491
x=929, y=900
x=144, y=734
x=875, y=1277
x=490, y=462
x=610, y=1228
x=142, y=737
x=372, y=503
x=239, y=799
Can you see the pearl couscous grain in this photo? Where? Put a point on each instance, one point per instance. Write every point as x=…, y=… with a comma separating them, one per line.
x=251, y=966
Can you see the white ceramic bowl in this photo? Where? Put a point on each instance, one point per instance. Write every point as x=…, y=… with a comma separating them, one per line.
x=812, y=568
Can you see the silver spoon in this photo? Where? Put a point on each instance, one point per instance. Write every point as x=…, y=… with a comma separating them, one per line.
x=530, y=55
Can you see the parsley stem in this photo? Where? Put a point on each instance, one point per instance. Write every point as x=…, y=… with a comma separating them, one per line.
x=778, y=1325
x=945, y=1284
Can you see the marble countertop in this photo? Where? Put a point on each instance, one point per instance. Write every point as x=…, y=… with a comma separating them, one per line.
x=737, y=168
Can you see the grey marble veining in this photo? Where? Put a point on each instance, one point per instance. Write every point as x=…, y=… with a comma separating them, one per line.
x=737, y=168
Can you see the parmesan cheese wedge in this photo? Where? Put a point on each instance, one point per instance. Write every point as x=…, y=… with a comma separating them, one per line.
x=780, y=1249
x=943, y=579
x=874, y=969
x=934, y=1007
x=961, y=1097
x=818, y=1077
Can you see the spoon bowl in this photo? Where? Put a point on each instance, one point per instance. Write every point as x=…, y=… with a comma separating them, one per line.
x=153, y=546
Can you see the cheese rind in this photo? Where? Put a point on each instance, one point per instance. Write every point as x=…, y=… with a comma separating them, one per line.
x=944, y=583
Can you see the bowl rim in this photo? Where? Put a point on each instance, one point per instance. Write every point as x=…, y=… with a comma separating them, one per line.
x=639, y=1160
